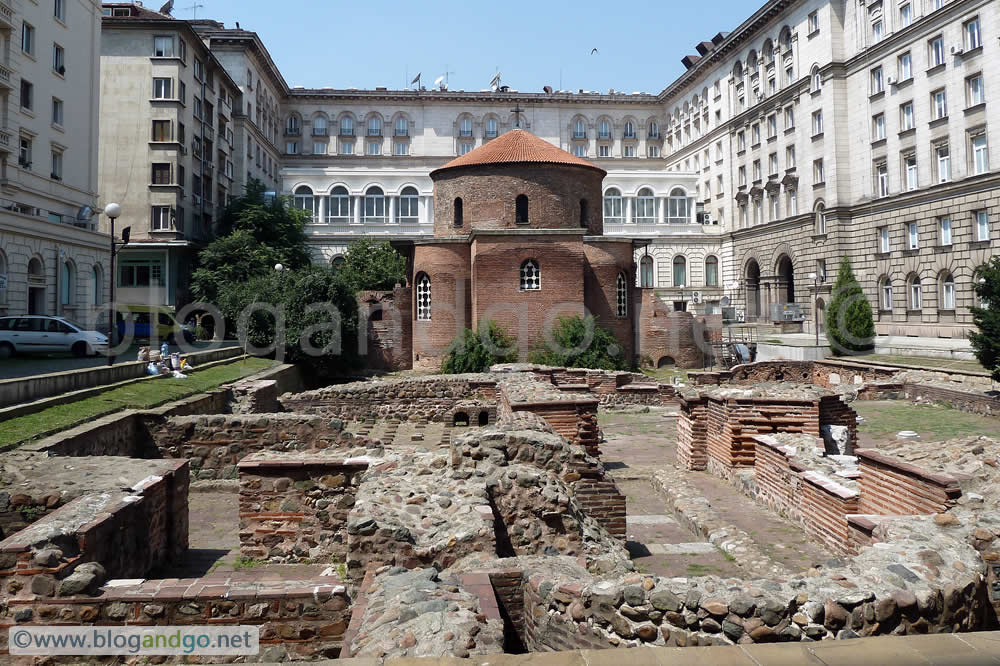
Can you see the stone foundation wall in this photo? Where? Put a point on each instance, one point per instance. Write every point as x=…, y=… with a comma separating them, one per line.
x=414, y=399
x=733, y=424
x=389, y=324
x=975, y=403
x=890, y=486
x=577, y=422
x=301, y=620
x=215, y=444
x=692, y=434
x=825, y=507
x=127, y=534
x=294, y=509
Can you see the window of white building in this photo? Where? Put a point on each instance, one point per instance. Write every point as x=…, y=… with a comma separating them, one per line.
x=677, y=210
x=944, y=227
x=613, y=206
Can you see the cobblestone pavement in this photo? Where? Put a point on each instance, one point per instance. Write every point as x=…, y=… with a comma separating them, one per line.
x=641, y=442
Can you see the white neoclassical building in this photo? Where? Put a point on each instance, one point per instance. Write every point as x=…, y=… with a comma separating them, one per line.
x=52, y=258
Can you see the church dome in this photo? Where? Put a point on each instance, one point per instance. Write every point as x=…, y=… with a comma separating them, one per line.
x=516, y=147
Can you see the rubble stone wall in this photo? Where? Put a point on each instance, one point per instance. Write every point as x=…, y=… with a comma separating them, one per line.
x=890, y=486
x=975, y=403
x=296, y=509
x=215, y=444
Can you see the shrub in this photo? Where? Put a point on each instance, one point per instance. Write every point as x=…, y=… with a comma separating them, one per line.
x=371, y=264
x=477, y=351
x=570, y=335
x=850, y=328
x=986, y=340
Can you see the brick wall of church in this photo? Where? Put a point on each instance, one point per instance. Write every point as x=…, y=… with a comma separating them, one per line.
x=488, y=193
x=497, y=292
x=448, y=266
x=605, y=260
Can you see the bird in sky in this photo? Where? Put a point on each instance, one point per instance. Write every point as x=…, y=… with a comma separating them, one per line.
x=593, y=51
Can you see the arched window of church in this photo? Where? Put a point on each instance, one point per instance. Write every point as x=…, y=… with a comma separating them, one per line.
x=457, y=215
x=584, y=214
x=521, y=209
x=646, y=271
x=531, y=276
x=621, y=290
x=423, y=298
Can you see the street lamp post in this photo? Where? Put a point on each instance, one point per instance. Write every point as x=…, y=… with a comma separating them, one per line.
x=113, y=211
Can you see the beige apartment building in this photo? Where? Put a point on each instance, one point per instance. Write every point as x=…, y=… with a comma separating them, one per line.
x=167, y=147
x=53, y=260
x=816, y=129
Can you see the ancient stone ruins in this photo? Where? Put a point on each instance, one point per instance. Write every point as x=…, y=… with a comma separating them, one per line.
x=463, y=515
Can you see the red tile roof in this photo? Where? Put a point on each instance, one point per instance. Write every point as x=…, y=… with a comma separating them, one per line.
x=517, y=147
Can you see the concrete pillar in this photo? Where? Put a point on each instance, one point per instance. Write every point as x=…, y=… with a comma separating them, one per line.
x=322, y=210
x=421, y=210
x=358, y=203
x=628, y=210
x=392, y=210
x=661, y=207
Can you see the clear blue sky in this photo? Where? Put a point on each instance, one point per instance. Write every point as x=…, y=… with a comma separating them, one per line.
x=363, y=45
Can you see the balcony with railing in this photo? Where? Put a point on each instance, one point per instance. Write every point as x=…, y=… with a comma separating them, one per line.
x=579, y=134
x=6, y=17
x=402, y=132
x=374, y=131
x=208, y=132
x=293, y=131
x=6, y=77
x=346, y=131
x=6, y=139
x=319, y=131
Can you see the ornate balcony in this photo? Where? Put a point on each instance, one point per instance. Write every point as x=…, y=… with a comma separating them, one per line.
x=6, y=17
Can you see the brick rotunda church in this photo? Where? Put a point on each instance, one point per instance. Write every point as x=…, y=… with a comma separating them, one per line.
x=518, y=239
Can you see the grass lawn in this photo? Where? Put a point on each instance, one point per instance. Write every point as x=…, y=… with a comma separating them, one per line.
x=666, y=374
x=932, y=422
x=922, y=361
x=140, y=395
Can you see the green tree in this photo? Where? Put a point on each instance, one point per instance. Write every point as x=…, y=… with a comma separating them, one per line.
x=850, y=328
x=986, y=316
x=254, y=233
x=306, y=300
x=570, y=335
x=371, y=264
x=477, y=351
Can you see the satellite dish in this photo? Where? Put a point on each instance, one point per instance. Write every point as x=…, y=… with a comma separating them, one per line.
x=438, y=80
x=85, y=213
x=725, y=301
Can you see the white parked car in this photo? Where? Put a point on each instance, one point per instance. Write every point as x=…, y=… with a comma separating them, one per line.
x=38, y=333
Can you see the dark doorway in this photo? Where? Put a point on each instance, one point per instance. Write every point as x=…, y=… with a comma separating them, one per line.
x=787, y=278
x=753, y=290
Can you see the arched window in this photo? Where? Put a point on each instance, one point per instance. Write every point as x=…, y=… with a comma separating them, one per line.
x=347, y=126
x=374, y=205
x=337, y=262
x=423, y=297
x=457, y=212
x=646, y=271
x=521, y=209
x=402, y=126
x=67, y=284
x=408, y=209
x=604, y=129
x=653, y=131
x=97, y=284
x=375, y=126
x=340, y=208
x=916, y=293
x=815, y=79
x=531, y=276
x=491, y=128
x=711, y=271
x=613, y=206
x=820, y=218
x=584, y=214
x=947, y=292
x=579, y=129
x=680, y=271
x=677, y=211
x=293, y=127
x=885, y=294
x=645, y=207
x=629, y=130
x=465, y=126
x=304, y=200
x=621, y=293
x=319, y=126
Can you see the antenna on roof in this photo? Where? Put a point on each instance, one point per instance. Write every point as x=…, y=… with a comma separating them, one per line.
x=194, y=9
